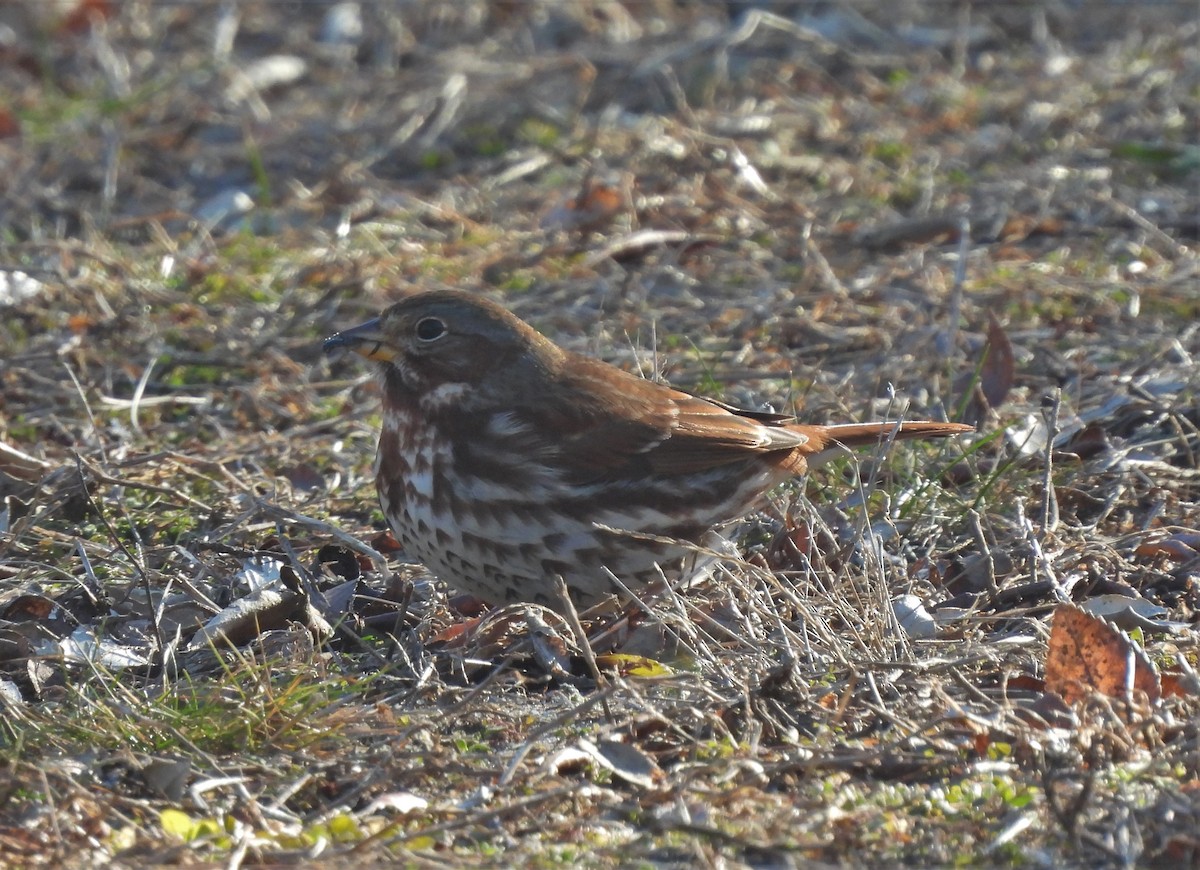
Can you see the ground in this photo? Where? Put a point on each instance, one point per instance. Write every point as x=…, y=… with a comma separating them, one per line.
x=973, y=651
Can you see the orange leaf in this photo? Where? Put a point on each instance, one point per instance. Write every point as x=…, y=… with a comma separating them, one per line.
x=1182, y=546
x=1086, y=655
x=455, y=635
x=996, y=374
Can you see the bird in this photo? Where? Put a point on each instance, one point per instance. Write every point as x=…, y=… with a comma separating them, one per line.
x=506, y=462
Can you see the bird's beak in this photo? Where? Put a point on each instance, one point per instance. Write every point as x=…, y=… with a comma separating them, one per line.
x=367, y=340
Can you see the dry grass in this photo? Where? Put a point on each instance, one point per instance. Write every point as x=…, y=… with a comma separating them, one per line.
x=748, y=208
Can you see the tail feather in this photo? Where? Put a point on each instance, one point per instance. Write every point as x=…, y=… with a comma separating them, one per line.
x=866, y=434
x=826, y=442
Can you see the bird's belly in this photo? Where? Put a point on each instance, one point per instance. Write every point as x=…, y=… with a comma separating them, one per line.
x=491, y=539
x=507, y=549
x=509, y=540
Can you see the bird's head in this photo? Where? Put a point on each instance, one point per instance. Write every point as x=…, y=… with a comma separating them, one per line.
x=447, y=339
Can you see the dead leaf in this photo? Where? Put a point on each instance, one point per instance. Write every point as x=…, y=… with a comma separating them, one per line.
x=568, y=760
x=82, y=14
x=10, y=696
x=29, y=606
x=914, y=617
x=996, y=374
x=86, y=645
x=632, y=665
x=1020, y=227
x=1089, y=441
x=625, y=761
x=400, y=802
x=1183, y=546
x=455, y=635
x=262, y=610
x=515, y=629
x=1179, y=684
x=1086, y=656
x=385, y=543
x=10, y=127
x=1130, y=612
x=591, y=209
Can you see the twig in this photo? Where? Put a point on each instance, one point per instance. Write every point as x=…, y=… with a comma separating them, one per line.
x=324, y=528
x=949, y=339
x=585, y=646
x=1050, y=409
x=20, y=465
x=985, y=548
x=827, y=279
x=88, y=410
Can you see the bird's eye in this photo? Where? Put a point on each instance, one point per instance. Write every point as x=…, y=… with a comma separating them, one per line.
x=430, y=329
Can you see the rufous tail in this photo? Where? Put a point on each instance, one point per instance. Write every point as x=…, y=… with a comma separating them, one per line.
x=866, y=434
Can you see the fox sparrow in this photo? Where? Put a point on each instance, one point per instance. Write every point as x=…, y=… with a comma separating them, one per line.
x=505, y=460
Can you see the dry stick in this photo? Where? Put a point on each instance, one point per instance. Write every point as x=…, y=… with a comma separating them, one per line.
x=101, y=477
x=394, y=646
x=184, y=461
x=139, y=391
x=279, y=513
x=92, y=588
x=1067, y=813
x=1050, y=409
x=88, y=410
x=948, y=341
x=1141, y=221
x=20, y=465
x=985, y=547
x=1041, y=562
x=585, y=646
x=687, y=642
x=827, y=279
x=961, y=44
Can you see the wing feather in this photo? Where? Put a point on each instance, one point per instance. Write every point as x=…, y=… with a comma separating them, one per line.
x=631, y=426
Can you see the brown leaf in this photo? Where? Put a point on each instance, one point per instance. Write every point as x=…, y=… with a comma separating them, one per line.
x=456, y=635
x=262, y=610
x=28, y=606
x=1020, y=227
x=1089, y=441
x=515, y=629
x=628, y=762
x=1183, y=546
x=999, y=366
x=1086, y=655
x=591, y=209
x=385, y=543
x=996, y=374
x=83, y=14
x=1178, y=684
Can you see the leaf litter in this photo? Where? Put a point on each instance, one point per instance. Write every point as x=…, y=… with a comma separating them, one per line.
x=816, y=209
